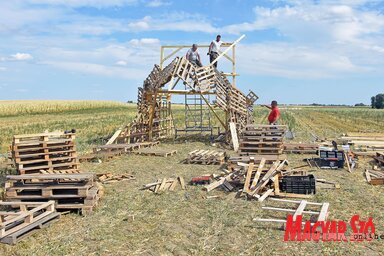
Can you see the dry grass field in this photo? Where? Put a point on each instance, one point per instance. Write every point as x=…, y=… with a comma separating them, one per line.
x=134, y=222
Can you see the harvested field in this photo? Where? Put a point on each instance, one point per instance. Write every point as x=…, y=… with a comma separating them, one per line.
x=130, y=221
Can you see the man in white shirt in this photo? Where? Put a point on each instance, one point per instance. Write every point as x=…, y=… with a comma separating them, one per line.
x=214, y=49
x=193, y=56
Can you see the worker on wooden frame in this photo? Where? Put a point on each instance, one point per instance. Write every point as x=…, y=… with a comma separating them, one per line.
x=193, y=56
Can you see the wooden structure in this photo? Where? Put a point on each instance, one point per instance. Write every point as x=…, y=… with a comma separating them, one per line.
x=262, y=139
x=24, y=219
x=154, y=119
x=45, y=153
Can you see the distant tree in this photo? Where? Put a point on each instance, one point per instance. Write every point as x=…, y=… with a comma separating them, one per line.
x=373, y=103
x=378, y=101
x=130, y=101
x=359, y=105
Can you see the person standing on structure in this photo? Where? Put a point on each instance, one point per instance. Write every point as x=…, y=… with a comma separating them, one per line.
x=274, y=115
x=193, y=56
x=214, y=49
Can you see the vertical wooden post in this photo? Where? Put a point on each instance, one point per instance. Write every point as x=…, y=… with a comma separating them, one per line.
x=234, y=66
x=161, y=57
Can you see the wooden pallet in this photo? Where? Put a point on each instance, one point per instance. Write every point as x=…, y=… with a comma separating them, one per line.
x=321, y=214
x=262, y=139
x=155, y=152
x=31, y=229
x=69, y=191
x=206, y=157
x=25, y=214
x=82, y=205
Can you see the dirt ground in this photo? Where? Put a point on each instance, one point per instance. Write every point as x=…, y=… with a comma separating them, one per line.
x=130, y=221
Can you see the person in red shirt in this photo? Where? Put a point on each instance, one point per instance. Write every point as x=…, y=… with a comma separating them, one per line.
x=275, y=112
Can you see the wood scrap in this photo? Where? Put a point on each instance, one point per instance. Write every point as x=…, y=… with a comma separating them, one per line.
x=165, y=184
x=108, y=177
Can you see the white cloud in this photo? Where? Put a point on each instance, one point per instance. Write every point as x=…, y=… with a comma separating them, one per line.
x=21, y=56
x=157, y=3
x=18, y=57
x=121, y=63
x=3, y=68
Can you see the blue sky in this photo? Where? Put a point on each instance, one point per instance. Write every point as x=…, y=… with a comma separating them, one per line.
x=294, y=51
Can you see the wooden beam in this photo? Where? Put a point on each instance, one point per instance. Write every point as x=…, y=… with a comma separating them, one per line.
x=226, y=50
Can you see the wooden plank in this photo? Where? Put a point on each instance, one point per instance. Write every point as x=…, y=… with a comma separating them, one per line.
x=162, y=185
x=235, y=139
x=323, y=212
x=258, y=173
x=182, y=183
x=248, y=176
x=300, y=209
x=265, y=195
x=347, y=161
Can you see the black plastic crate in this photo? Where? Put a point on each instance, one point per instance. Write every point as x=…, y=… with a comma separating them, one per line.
x=298, y=184
x=331, y=159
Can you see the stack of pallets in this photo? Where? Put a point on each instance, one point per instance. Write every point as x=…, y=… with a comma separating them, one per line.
x=262, y=140
x=206, y=157
x=45, y=153
x=24, y=219
x=48, y=170
x=69, y=191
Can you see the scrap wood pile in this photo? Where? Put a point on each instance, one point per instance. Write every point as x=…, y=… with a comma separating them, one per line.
x=233, y=161
x=262, y=139
x=21, y=219
x=364, y=141
x=108, y=177
x=206, y=157
x=165, y=184
x=258, y=181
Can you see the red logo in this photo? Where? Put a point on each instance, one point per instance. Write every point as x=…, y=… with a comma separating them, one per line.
x=329, y=230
